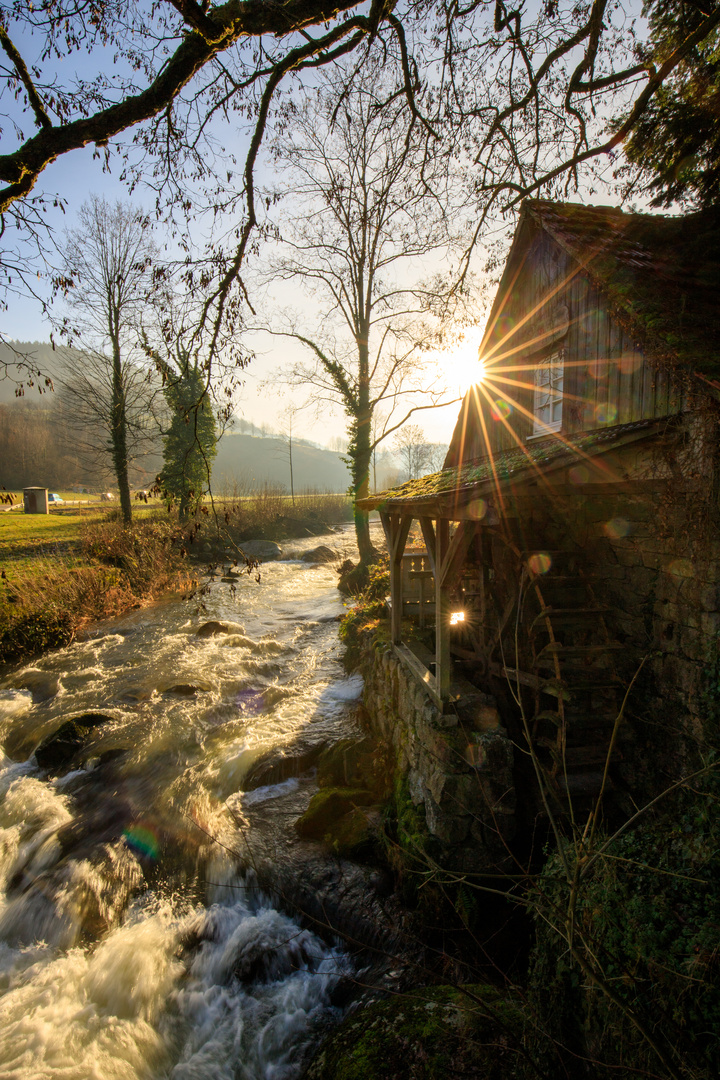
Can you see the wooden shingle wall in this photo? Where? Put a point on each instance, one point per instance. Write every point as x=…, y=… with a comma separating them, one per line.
x=551, y=304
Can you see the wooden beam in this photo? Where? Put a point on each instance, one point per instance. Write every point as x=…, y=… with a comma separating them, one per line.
x=457, y=551
x=385, y=519
x=429, y=537
x=422, y=674
x=442, y=613
x=398, y=528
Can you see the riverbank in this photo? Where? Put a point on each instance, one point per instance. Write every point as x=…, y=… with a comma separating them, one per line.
x=56, y=577
x=61, y=571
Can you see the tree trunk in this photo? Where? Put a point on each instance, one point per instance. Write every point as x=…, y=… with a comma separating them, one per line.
x=119, y=436
x=361, y=485
x=361, y=453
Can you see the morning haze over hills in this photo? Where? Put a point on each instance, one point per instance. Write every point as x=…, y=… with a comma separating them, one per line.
x=39, y=446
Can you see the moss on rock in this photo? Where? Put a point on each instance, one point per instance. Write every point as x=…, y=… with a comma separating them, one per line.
x=338, y=817
x=436, y=1032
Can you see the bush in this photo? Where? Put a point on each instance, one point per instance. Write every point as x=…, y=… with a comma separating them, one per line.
x=269, y=514
x=648, y=917
x=368, y=615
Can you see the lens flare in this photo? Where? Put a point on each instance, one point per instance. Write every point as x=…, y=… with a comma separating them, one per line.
x=597, y=369
x=501, y=409
x=606, y=414
x=539, y=563
x=250, y=701
x=616, y=528
x=476, y=509
x=629, y=362
x=143, y=840
x=578, y=474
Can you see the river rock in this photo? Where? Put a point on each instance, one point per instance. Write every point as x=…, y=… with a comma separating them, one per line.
x=320, y=554
x=43, y=685
x=327, y=809
x=57, y=750
x=212, y=628
x=188, y=689
x=264, y=550
x=282, y=762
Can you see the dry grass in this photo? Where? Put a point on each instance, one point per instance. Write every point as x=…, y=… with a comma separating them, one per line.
x=272, y=515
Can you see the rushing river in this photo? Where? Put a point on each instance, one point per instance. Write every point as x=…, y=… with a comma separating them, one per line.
x=135, y=940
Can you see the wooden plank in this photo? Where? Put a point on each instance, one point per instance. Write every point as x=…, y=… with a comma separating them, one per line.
x=424, y=676
x=385, y=519
x=625, y=365
x=399, y=528
x=637, y=385
x=400, y=535
x=612, y=344
x=523, y=677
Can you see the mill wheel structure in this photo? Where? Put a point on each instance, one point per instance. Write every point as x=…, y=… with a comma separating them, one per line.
x=537, y=635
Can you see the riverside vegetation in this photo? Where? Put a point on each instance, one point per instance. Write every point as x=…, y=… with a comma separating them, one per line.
x=615, y=970
x=60, y=572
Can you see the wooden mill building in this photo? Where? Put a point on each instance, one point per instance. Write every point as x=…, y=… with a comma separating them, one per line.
x=569, y=547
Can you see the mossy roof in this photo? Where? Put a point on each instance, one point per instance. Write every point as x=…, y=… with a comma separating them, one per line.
x=661, y=274
x=520, y=463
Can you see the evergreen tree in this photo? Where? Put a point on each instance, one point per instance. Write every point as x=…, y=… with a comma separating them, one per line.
x=676, y=141
x=190, y=443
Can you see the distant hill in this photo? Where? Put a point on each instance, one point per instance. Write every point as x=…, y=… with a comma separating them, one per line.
x=250, y=462
x=245, y=460
x=40, y=355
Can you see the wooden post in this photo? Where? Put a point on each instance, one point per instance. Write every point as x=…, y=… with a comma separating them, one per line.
x=399, y=528
x=442, y=612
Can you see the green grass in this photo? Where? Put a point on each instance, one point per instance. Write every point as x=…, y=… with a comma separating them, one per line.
x=61, y=571
x=27, y=539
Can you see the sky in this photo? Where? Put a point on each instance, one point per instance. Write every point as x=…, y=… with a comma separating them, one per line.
x=262, y=396
x=77, y=175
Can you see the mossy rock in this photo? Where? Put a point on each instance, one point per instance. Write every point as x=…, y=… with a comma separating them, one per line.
x=356, y=833
x=355, y=763
x=334, y=816
x=436, y=1032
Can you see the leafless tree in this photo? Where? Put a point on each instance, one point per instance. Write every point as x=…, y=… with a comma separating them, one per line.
x=437, y=452
x=528, y=100
x=288, y=429
x=373, y=214
x=413, y=449
x=108, y=280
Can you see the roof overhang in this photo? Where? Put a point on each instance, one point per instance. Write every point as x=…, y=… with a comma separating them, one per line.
x=452, y=492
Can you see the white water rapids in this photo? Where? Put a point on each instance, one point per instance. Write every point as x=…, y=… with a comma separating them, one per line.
x=131, y=944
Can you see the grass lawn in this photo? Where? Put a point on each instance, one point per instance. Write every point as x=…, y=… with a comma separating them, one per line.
x=27, y=540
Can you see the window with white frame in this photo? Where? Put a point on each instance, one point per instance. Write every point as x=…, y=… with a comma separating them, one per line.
x=547, y=410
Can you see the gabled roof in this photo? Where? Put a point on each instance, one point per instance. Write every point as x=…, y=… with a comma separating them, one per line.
x=661, y=274
x=519, y=465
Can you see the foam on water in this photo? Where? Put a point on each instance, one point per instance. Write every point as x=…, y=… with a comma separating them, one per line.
x=130, y=947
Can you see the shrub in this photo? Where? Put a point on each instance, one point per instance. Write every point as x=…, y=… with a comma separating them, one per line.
x=649, y=917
